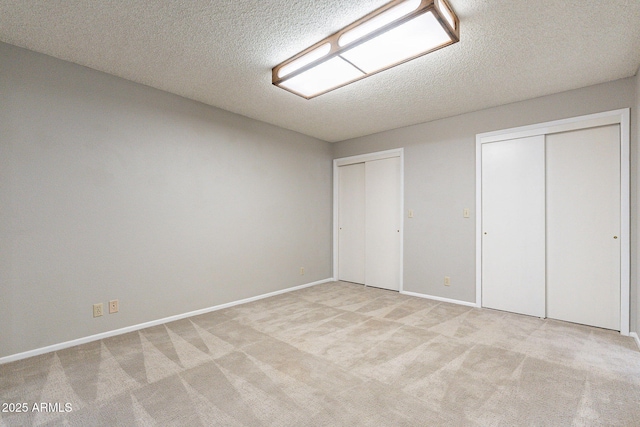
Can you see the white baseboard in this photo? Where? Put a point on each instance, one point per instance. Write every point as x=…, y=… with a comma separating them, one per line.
x=441, y=299
x=84, y=340
x=634, y=335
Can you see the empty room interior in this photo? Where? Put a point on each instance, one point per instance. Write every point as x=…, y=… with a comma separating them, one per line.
x=376, y=213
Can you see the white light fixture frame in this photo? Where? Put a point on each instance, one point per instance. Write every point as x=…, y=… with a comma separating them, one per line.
x=332, y=56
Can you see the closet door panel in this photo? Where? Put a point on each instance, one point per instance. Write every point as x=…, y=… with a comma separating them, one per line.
x=351, y=216
x=513, y=225
x=583, y=226
x=383, y=223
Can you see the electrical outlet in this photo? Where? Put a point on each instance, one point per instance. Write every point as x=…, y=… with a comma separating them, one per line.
x=302, y=271
x=447, y=281
x=113, y=306
x=97, y=310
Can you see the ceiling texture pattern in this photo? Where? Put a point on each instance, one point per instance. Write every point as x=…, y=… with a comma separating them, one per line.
x=221, y=53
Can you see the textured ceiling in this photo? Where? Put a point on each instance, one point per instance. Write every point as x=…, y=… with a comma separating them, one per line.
x=221, y=53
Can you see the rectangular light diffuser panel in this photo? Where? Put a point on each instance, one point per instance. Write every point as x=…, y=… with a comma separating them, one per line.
x=397, y=32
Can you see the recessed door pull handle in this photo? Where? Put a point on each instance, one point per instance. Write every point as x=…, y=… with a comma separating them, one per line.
x=615, y=237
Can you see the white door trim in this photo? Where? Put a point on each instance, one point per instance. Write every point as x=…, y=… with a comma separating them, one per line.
x=620, y=117
x=398, y=152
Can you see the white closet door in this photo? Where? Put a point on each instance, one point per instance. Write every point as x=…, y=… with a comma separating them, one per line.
x=513, y=226
x=351, y=214
x=383, y=223
x=583, y=221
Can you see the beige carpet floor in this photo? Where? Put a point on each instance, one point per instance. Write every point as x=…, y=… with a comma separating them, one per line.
x=337, y=354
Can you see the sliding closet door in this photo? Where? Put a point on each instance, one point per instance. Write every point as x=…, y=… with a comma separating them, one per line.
x=583, y=226
x=382, y=220
x=513, y=225
x=351, y=237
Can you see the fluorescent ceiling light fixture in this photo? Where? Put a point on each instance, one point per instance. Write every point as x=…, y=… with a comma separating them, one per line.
x=395, y=33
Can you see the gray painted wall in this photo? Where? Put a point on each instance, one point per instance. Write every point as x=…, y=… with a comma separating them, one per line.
x=113, y=190
x=440, y=181
x=635, y=220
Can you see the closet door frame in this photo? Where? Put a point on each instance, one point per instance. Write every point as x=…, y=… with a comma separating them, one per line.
x=620, y=117
x=398, y=152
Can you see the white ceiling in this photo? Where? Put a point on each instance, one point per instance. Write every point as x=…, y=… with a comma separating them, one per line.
x=221, y=53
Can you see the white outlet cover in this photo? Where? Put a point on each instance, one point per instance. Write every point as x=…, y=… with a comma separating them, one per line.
x=97, y=310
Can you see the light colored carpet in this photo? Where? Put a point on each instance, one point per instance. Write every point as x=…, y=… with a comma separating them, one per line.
x=338, y=354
